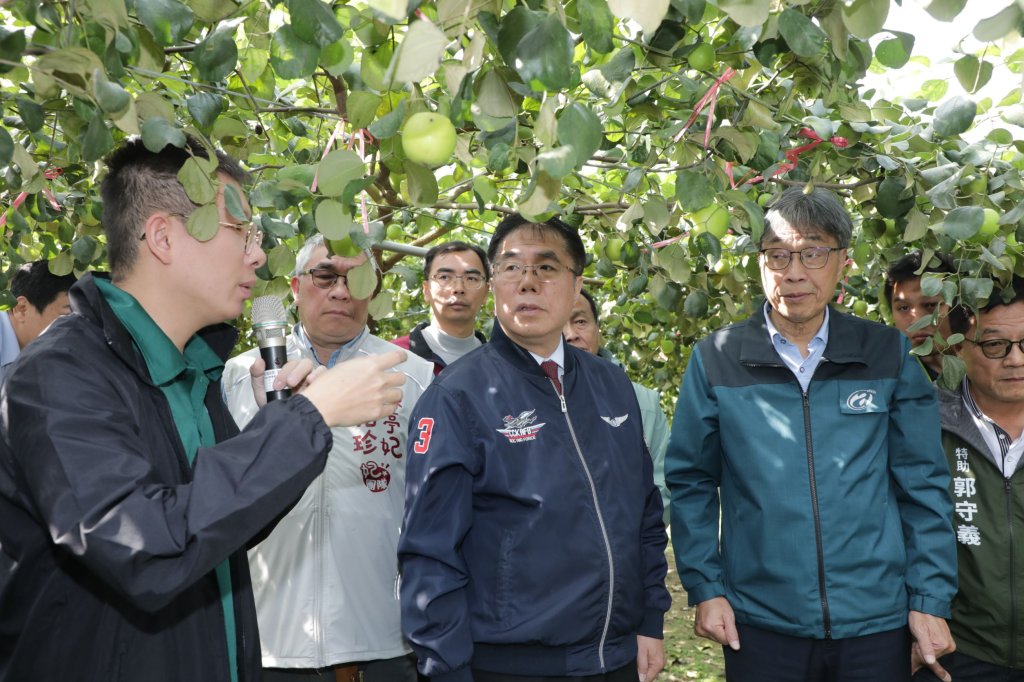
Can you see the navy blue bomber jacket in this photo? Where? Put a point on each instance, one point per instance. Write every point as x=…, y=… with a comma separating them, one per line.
x=533, y=541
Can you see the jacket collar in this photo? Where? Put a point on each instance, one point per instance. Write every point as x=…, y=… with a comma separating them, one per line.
x=956, y=419
x=845, y=345
x=87, y=301
x=521, y=358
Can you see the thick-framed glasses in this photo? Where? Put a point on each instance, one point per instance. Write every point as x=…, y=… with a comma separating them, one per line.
x=812, y=258
x=446, y=280
x=509, y=271
x=324, y=278
x=997, y=349
x=253, y=236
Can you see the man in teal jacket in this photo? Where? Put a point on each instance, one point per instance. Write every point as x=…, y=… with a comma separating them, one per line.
x=818, y=434
x=982, y=427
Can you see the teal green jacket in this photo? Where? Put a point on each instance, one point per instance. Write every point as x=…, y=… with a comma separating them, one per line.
x=988, y=610
x=835, y=508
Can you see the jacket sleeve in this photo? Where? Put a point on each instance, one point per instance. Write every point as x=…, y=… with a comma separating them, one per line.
x=653, y=540
x=438, y=513
x=693, y=469
x=657, y=433
x=85, y=454
x=920, y=471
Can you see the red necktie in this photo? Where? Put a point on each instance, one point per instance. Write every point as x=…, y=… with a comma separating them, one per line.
x=550, y=368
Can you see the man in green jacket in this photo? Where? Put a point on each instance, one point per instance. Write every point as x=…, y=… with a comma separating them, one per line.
x=982, y=423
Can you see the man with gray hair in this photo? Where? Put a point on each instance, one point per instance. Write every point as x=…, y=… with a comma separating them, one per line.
x=817, y=436
x=325, y=578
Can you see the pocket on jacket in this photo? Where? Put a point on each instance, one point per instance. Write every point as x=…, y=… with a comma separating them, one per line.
x=862, y=397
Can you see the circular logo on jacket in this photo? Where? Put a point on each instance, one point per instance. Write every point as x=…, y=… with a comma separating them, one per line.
x=861, y=401
x=376, y=477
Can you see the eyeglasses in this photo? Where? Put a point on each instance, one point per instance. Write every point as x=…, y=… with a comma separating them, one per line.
x=510, y=271
x=253, y=237
x=997, y=349
x=324, y=278
x=812, y=258
x=470, y=280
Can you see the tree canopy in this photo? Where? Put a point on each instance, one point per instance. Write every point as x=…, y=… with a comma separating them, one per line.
x=660, y=128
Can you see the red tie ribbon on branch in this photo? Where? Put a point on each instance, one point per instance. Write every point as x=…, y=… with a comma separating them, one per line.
x=49, y=174
x=709, y=100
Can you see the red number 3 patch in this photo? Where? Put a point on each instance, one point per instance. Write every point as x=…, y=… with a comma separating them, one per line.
x=426, y=427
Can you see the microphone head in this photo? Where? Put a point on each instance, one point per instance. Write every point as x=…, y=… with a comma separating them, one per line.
x=268, y=311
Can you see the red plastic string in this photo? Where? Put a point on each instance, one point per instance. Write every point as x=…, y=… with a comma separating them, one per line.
x=49, y=174
x=710, y=99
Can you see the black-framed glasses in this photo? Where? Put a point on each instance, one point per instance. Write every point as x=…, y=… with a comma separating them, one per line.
x=324, y=278
x=997, y=349
x=252, y=235
x=812, y=258
x=470, y=280
x=510, y=271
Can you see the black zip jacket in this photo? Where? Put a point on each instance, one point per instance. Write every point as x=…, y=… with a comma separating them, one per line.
x=114, y=535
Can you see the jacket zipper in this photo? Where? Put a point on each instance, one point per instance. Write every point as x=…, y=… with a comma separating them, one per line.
x=1008, y=487
x=817, y=516
x=604, y=530
x=318, y=635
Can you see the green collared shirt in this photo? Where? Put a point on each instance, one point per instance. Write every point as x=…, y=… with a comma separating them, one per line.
x=184, y=379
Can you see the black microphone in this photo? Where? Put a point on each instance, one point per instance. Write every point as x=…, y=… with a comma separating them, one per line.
x=270, y=322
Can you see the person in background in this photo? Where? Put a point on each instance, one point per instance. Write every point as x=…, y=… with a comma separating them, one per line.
x=455, y=286
x=324, y=579
x=909, y=305
x=584, y=331
x=533, y=543
x=811, y=516
x=127, y=494
x=983, y=435
x=40, y=297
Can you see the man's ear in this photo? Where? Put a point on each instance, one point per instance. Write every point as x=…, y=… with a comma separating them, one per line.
x=21, y=308
x=160, y=237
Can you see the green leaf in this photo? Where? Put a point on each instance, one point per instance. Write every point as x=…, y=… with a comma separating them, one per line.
x=84, y=248
x=31, y=114
x=12, y=47
x=694, y=190
x=422, y=185
x=648, y=13
x=112, y=98
x=580, y=127
x=514, y=28
x=420, y=52
x=338, y=169
x=393, y=9
x=157, y=133
x=545, y=56
x=620, y=67
x=233, y=202
x=281, y=260
x=362, y=280
x=204, y=107
x=746, y=12
x=963, y=223
x=362, y=108
x=597, y=24
x=557, y=162
x=894, y=53
x=212, y=11
x=540, y=196
x=333, y=221
x=890, y=201
x=168, y=20
x=389, y=124
x=865, y=18
x=62, y=265
x=97, y=140
x=204, y=222
x=696, y=304
x=953, y=372
x=801, y=34
x=972, y=73
x=6, y=147
x=381, y=306
x=217, y=54
x=976, y=290
x=999, y=25
x=198, y=184
x=954, y=116
x=291, y=56
x=314, y=22
x=337, y=57
x=945, y=10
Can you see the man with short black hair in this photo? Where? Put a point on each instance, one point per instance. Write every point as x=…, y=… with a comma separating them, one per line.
x=810, y=501
x=455, y=286
x=983, y=435
x=40, y=297
x=127, y=493
x=908, y=304
x=584, y=331
x=533, y=544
